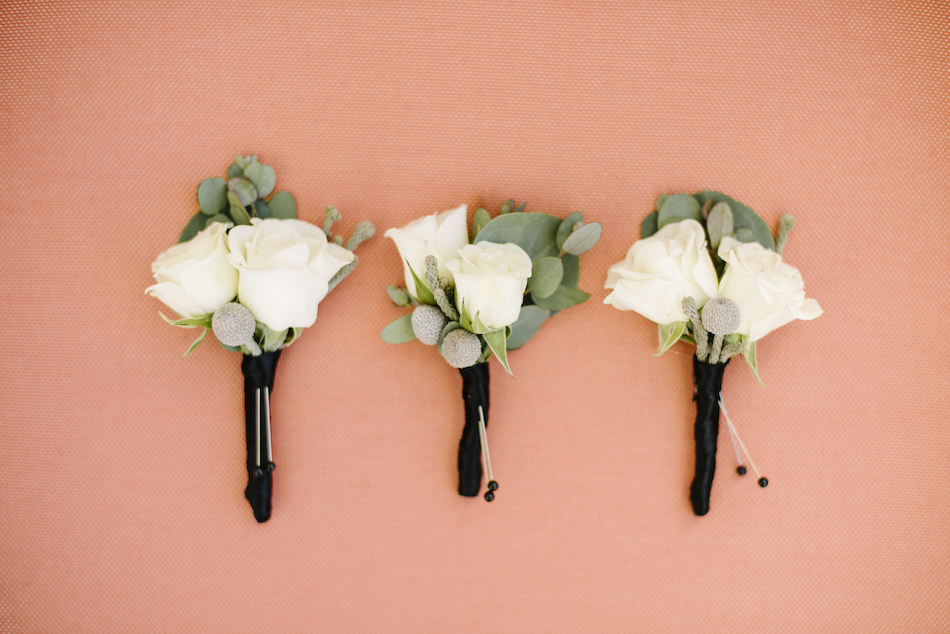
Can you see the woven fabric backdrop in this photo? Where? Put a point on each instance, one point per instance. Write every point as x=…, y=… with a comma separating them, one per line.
x=123, y=464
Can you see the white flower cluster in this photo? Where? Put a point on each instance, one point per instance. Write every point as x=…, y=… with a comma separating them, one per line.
x=278, y=269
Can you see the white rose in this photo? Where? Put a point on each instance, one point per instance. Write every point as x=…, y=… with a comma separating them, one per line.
x=195, y=277
x=490, y=280
x=769, y=292
x=284, y=267
x=662, y=270
x=441, y=235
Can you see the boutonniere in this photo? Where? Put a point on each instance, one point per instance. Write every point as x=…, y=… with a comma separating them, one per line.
x=248, y=270
x=707, y=270
x=488, y=296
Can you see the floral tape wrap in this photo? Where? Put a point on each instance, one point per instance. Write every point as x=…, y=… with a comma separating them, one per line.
x=475, y=395
x=258, y=373
x=708, y=381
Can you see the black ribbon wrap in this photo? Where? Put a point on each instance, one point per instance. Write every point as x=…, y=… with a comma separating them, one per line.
x=258, y=373
x=475, y=395
x=707, y=378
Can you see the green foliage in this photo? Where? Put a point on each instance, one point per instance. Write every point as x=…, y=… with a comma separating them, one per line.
x=660, y=200
x=677, y=208
x=546, y=276
x=536, y=233
x=507, y=206
x=235, y=171
x=521, y=207
x=213, y=196
x=283, y=206
x=567, y=227
x=743, y=218
x=422, y=291
x=529, y=321
x=262, y=177
x=479, y=221
x=670, y=334
x=583, y=239
x=399, y=331
x=262, y=209
x=649, y=225
x=749, y=355
x=398, y=295
x=745, y=235
x=572, y=270
x=496, y=341
x=196, y=322
x=719, y=224
x=238, y=213
x=196, y=224
x=204, y=333
x=243, y=189
x=563, y=297
x=271, y=340
x=219, y=218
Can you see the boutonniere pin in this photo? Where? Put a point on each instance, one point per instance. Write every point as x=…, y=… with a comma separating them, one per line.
x=488, y=296
x=708, y=272
x=248, y=270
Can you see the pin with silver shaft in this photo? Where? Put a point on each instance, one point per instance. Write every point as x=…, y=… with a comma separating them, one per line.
x=483, y=437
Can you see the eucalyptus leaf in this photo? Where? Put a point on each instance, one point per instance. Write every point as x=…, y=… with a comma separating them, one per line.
x=234, y=171
x=400, y=331
x=242, y=161
x=219, y=218
x=262, y=209
x=719, y=224
x=282, y=205
x=660, y=200
x=546, y=275
x=196, y=224
x=244, y=189
x=670, y=334
x=263, y=178
x=479, y=221
x=567, y=226
x=423, y=293
x=496, y=341
x=649, y=225
x=536, y=233
x=743, y=217
x=677, y=208
x=583, y=239
x=507, y=206
x=238, y=212
x=745, y=235
x=204, y=333
x=213, y=196
x=572, y=270
x=749, y=355
x=529, y=321
x=563, y=297
x=398, y=295
x=521, y=208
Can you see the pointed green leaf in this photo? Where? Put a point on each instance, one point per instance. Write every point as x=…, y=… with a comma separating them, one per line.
x=496, y=341
x=398, y=295
x=204, y=333
x=507, y=206
x=196, y=224
x=235, y=171
x=196, y=322
x=649, y=226
x=478, y=327
x=536, y=233
x=583, y=239
x=263, y=178
x=749, y=355
x=243, y=189
x=520, y=208
x=238, y=212
x=563, y=297
x=465, y=319
x=529, y=321
x=273, y=339
x=719, y=224
x=400, y=331
x=283, y=206
x=677, y=208
x=213, y=196
x=567, y=227
x=670, y=334
x=546, y=275
x=423, y=294
x=479, y=222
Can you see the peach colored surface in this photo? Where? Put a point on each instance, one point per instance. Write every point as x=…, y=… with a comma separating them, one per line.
x=123, y=464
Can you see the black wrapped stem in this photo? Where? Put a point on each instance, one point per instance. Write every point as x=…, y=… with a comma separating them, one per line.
x=707, y=378
x=475, y=395
x=259, y=374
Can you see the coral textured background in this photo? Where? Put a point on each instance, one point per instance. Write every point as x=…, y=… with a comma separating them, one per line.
x=123, y=464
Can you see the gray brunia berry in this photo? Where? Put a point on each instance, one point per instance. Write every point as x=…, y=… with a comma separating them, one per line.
x=461, y=348
x=233, y=324
x=721, y=316
x=427, y=324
